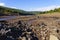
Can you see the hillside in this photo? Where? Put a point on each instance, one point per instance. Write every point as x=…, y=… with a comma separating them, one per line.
x=11, y=11
x=46, y=12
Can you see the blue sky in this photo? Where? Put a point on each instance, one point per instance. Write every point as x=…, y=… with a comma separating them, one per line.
x=34, y=5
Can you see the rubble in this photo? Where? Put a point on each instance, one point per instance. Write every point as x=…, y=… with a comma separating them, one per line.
x=29, y=30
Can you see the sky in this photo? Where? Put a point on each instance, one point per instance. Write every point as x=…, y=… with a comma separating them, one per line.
x=31, y=5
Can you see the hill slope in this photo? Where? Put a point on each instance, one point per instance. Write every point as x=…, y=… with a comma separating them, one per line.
x=11, y=11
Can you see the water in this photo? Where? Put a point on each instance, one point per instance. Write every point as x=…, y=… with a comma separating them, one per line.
x=8, y=18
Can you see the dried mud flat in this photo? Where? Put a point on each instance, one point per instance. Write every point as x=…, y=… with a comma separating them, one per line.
x=37, y=27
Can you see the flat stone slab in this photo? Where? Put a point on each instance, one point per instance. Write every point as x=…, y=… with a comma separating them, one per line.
x=52, y=37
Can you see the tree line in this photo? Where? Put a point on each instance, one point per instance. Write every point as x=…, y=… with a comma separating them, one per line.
x=12, y=11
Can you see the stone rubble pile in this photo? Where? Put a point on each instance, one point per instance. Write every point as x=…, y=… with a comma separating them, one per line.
x=17, y=31
x=26, y=31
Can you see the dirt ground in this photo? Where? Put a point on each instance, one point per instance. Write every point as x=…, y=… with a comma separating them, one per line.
x=43, y=25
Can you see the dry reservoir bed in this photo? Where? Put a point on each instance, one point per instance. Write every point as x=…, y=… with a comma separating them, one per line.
x=37, y=27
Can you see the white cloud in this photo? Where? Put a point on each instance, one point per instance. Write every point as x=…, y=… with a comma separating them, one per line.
x=13, y=7
x=2, y=4
x=36, y=9
x=44, y=8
